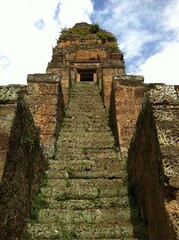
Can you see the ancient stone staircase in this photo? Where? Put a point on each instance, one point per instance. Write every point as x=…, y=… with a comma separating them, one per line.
x=86, y=193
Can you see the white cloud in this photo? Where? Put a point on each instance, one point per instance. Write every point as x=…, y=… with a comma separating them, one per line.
x=29, y=30
x=71, y=12
x=171, y=17
x=4, y=61
x=146, y=31
x=131, y=22
x=39, y=24
x=162, y=67
x=27, y=48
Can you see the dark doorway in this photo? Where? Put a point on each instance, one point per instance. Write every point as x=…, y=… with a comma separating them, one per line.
x=86, y=77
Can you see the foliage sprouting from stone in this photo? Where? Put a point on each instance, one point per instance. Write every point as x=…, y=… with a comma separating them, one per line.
x=83, y=29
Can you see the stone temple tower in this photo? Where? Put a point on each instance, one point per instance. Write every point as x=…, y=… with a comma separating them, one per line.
x=86, y=53
x=62, y=117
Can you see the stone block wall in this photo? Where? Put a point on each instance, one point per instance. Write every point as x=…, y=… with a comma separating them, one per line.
x=45, y=100
x=63, y=70
x=165, y=103
x=7, y=113
x=108, y=72
x=22, y=162
x=126, y=101
x=153, y=162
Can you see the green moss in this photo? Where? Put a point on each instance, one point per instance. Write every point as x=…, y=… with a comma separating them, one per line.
x=68, y=183
x=105, y=36
x=39, y=202
x=29, y=141
x=64, y=197
x=76, y=30
x=112, y=45
x=115, y=147
x=64, y=234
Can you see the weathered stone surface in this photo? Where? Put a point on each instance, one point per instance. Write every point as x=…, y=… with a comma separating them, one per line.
x=153, y=161
x=126, y=101
x=86, y=165
x=85, y=188
x=45, y=99
x=21, y=162
x=95, y=53
x=108, y=72
x=8, y=101
x=165, y=103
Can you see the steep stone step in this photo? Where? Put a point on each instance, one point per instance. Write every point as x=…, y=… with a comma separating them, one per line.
x=94, y=143
x=91, y=101
x=86, y=116
x=87, y=126
x=86, y=194
x=105, y=168
x=87, y=119
x=90, y=111
x=65, y=189
x=86, y=153
x=69, y=136
x=87, y=97
x=86, y=137
x=91, y=108
x=82, y=204
x=83, y=231
x=90, y=98
x=97, y=215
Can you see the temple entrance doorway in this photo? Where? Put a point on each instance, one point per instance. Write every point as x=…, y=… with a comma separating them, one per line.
x=86, y=76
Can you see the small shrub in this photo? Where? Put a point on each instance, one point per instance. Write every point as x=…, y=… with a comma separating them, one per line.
x=112, y=45
x=94, y=28
x=38, y=203
x=106, y=36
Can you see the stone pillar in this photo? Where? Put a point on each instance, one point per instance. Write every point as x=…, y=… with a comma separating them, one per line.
x=94, y=77
x=72, y=77
x=99, y=78
x=78, y=77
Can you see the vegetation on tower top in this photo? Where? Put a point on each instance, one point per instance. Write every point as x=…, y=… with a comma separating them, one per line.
x=84, y=29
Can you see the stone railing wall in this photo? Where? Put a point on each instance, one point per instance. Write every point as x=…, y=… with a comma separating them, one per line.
x=63, y=70
x=108, y=72
x=21, y=160
x=45, y=100
x=153, y=162
x=8, y=97
x=126, y=101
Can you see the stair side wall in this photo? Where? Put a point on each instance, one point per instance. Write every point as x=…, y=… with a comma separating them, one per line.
x=165, y=104
x=24, y=164
x=108, y=72
x=45, y=100
x=153, y=162
x=126, y=101
x=63, y=70
x=7, y=114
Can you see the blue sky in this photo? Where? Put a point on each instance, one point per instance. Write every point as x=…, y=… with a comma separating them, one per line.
x=147, y=33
